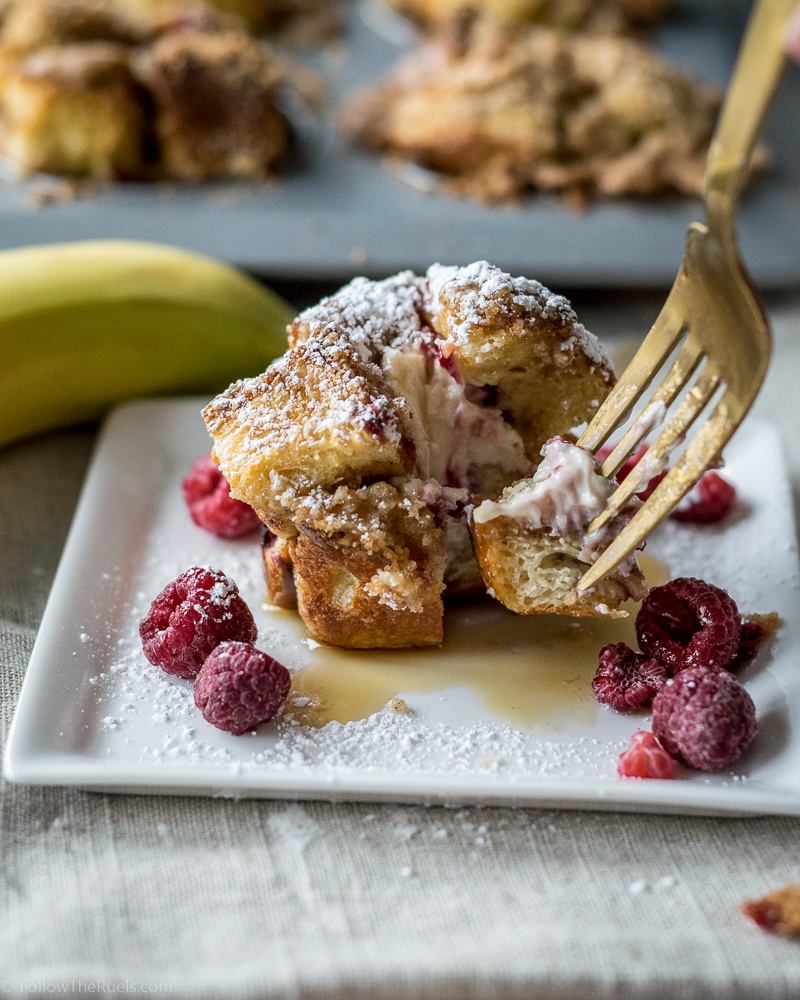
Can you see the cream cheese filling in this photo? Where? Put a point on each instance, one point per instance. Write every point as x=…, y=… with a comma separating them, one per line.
x=451, y=433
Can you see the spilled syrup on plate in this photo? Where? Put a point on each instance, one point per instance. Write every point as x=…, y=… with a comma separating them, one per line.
x=524, y=668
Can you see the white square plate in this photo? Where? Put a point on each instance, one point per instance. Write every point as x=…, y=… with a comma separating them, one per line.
x=503, y=714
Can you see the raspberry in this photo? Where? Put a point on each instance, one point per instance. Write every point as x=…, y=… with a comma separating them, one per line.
x=778, y=911
x=211, y=506
x=190, y=617
x=689, y=623
x=627, y=466
x=645, y=759
x=704, y=718
x=708, y=502
x=626, y=680
x=239, y=686
x=766, y=915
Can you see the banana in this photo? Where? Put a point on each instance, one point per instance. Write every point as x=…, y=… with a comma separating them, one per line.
x=85, y=325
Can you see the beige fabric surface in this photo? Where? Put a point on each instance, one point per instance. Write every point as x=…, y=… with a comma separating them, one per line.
x=252, y=899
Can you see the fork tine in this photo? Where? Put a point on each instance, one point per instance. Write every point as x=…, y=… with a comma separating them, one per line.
x=679, y=374
x=658, y=453
x=703, y=451
x=652, y=354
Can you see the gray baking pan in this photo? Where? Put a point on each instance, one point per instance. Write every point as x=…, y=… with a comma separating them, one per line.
x=339, y=212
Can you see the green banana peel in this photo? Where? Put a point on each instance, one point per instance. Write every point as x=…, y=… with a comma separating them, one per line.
x=86, y=325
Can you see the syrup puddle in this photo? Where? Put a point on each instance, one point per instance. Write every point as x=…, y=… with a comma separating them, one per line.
x=523, y=668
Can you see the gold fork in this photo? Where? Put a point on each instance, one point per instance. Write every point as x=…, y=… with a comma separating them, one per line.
x=712, y=304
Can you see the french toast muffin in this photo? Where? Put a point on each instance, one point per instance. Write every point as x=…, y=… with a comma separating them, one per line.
x=399, y=406
x=497, y=110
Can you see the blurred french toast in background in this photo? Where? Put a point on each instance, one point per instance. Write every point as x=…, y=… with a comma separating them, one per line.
x=497, y=109
x=135, y=89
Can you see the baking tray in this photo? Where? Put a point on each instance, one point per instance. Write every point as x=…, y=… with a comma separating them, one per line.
x=340, y=212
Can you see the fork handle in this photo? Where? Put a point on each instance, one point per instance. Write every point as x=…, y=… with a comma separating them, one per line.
x=755, y=78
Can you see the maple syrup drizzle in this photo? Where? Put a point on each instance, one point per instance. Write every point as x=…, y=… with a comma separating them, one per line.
x=524, y=668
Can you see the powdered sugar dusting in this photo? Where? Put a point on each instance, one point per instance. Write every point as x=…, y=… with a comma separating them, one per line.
x=371, y=314
x=318, y=392
x=481, y=287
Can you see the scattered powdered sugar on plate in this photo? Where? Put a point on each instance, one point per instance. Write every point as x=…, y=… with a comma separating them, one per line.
x=131, y=714
x=144, y=697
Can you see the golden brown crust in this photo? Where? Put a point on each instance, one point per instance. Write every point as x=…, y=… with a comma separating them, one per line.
x=376, y=588
x=535, y=572
x=319, y=417
x=518, y=336
x=498, y=110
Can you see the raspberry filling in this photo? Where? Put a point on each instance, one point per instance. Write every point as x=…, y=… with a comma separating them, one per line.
x=626, y=468
x=566, y=493
x=457, y=432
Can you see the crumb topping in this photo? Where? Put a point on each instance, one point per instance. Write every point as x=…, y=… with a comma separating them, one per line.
x=495, y=110
x=483, y=291
x=372, y=315
x=328, y=380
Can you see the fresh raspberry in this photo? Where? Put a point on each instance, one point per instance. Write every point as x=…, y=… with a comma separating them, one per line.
x=626, y=467
x=211, y=506
x=708, y=502
x=239, y=687
x=190, y=617
x=645, y=759
x=704, y=718
x=626, y=680
x=689, y=623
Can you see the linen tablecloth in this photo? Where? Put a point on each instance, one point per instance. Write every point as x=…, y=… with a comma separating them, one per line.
x=191, y=897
